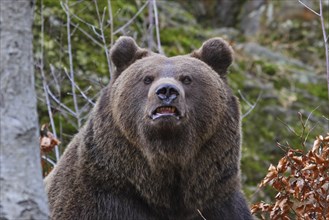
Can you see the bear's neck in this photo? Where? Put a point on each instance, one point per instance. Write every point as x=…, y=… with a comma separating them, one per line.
x=212, y=173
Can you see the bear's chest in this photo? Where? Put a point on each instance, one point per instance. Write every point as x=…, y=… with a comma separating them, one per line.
x=170, y=191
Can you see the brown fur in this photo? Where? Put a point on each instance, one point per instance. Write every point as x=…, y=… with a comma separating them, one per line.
x=124, y=165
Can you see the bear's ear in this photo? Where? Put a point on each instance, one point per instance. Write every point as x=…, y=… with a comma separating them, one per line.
x=217, y=53
x=125, y=52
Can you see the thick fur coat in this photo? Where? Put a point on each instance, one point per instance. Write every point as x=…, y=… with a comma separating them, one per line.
x=163, y=142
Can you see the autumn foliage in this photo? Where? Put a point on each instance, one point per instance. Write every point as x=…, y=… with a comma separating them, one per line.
x=301, y=180
x=47, y=140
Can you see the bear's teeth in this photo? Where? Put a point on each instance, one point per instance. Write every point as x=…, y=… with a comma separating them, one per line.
x=166, y=110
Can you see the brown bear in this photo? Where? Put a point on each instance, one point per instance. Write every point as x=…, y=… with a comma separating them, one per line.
x=163, y=142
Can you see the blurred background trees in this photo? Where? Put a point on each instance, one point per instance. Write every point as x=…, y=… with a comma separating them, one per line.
x=278, y=73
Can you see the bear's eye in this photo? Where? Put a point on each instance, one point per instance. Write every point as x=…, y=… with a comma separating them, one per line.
x=186, y=80
x=148, y=79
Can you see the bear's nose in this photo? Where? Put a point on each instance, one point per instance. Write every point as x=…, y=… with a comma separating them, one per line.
x=167, y=93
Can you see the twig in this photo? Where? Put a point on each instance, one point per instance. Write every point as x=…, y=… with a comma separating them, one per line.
x=67, y=10
x=303, y=126
x=131, y=20
x=109, y=6
x=325, y=43
x=289, y=128
x=87, y=105
x=244, y=99
x=282, y=147
x=44, y=83
x=325, y=36
x=251, y=106
x=151, y=16
x=311, y=129
x=74, y=30
x=157, y=26
x=111, y=28
x=300, y=1
x=111, y=21
x=81, y=92
x=201, y=214
x=68, y=27
x=60, y=103
x=88, y=35
x=52, y=71
x=48, y=160
x=309, y=115
x=100, y=23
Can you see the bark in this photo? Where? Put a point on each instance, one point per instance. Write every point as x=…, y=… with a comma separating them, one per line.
x=21, y=190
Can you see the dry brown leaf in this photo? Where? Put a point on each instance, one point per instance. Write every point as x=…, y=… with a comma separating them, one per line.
x=282, y=165
x=47, y=139
x=301, y=180
x=309, y=167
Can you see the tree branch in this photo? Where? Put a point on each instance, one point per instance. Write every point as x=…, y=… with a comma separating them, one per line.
x=101, y=28
x=44, y=83
x=68, y=27
x=156, y=17
x=131, y=20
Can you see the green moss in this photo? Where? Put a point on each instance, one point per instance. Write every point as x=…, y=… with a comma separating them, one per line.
x=319, y=90
x=188, y=41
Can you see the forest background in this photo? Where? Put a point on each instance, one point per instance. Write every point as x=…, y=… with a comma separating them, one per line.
x=279, y=72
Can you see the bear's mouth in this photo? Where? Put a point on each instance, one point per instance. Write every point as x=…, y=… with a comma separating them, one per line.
x=165, y=111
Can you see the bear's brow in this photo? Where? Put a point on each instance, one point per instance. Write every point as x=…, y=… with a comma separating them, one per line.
x=167, y=69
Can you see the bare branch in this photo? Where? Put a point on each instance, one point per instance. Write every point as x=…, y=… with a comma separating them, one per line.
x=325, y=36
x=44, y=83
x=102, y=36
x=88, y=35
x=309, y=115
x=87, y=105
x=289, y=127
x=48, y=160
x=252, y=106
x=311, y=129
x=81, y=92
x=300, y=1
x=326, y=46
x=157, y=26
x=52, y=71
x=68, y=27
x=67, y=10
x=308, y=133
x=96, y=32
x=244, y=98
x=60, y=103
x=74, y=30
x=131, y=20
x=151, y=26
x=201, y=214
x=111, y=21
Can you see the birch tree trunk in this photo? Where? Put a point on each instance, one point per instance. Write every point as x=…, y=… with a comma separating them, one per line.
x=21, y=187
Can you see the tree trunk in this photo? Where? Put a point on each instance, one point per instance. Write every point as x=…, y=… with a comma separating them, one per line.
x=21, y=187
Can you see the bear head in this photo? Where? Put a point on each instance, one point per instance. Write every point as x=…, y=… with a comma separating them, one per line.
x=169, y=107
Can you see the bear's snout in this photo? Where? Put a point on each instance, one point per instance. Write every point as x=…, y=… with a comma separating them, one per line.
x=166, y=100
x=167, y=93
